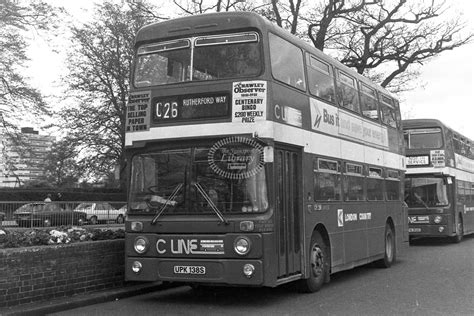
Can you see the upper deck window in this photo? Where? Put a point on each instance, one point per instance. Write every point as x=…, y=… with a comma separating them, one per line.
x=347, y=92
x=162, y=63
x=423, y=138
x=287, y=62
x=320, y=79
x=369, y=102
x=214, y=57
x=389, y=112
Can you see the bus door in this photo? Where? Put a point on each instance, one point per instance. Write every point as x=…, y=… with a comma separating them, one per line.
x=288, y=210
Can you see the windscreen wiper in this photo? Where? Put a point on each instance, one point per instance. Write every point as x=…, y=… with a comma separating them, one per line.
x=168, y=201
x=211, y=204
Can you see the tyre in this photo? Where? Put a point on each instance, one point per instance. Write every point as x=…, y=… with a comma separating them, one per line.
x=318, y=265
x=120, y=219
x=390, y=248
x=93, y=220
x=459, y=230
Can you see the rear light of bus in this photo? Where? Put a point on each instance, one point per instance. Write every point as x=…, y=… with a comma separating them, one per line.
x=437, y=219
x=141, y=245
x=441, y=229
x=137, y=266
x=242, y=245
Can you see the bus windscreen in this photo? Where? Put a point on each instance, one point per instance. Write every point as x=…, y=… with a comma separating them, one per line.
x=184, y=182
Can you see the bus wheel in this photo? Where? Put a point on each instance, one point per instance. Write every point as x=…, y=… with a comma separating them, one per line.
x=459, y=230
x=390, y=248
x=318, y=264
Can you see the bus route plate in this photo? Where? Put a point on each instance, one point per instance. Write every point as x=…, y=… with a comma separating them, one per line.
x=189, y=270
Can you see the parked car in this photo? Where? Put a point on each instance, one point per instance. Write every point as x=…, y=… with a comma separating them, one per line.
x=100, y=211
x=47, y=214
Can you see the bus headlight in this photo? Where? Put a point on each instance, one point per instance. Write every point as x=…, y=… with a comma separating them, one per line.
x=437, y=219
x=137, y=266
x=141, y=245
x=242, y=245
x=248, y=270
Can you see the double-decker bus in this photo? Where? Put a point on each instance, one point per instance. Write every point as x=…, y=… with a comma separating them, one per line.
x=255, y=159
x=439, y=183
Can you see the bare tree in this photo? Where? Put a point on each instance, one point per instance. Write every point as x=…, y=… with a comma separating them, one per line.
x=384, y=40
x=395, y=38
x=322, y=22
x=191, y=7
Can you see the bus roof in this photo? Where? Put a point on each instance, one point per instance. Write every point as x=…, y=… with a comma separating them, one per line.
x=417, y=123
x=202, y=24
x=222, y=21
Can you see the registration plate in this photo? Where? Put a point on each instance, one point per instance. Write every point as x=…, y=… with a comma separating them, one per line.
x=414, y=230
x=189, y=270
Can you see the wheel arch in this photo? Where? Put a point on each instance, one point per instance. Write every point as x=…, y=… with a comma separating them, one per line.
x=389, y=221
x=321, y=229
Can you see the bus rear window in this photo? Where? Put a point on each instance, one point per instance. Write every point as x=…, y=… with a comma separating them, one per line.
x=423, y=138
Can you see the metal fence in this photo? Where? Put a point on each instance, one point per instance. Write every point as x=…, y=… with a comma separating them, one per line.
x=58, y=213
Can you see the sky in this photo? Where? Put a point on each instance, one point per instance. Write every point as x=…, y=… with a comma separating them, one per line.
x=445, y=90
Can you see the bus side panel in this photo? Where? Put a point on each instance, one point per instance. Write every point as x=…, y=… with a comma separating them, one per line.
x=377, y=212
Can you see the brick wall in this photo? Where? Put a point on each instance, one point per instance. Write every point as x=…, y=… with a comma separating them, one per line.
x=34, y=274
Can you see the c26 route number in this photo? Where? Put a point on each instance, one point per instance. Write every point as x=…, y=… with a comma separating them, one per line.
x=166, y=110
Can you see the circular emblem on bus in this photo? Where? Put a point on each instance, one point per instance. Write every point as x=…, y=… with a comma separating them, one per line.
x=236, y=157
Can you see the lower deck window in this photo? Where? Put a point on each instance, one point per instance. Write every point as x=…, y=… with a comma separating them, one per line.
x=353, y=188
x=327, y=187
x=374, y=189
x=393, y=189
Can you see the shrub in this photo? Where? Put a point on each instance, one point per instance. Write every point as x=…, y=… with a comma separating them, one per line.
x=49, y=236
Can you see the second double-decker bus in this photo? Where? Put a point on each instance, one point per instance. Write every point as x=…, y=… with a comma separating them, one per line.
x=255, y=159
x=439, y=183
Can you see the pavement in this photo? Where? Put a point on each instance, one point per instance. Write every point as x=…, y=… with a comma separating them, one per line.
x=80, y=300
